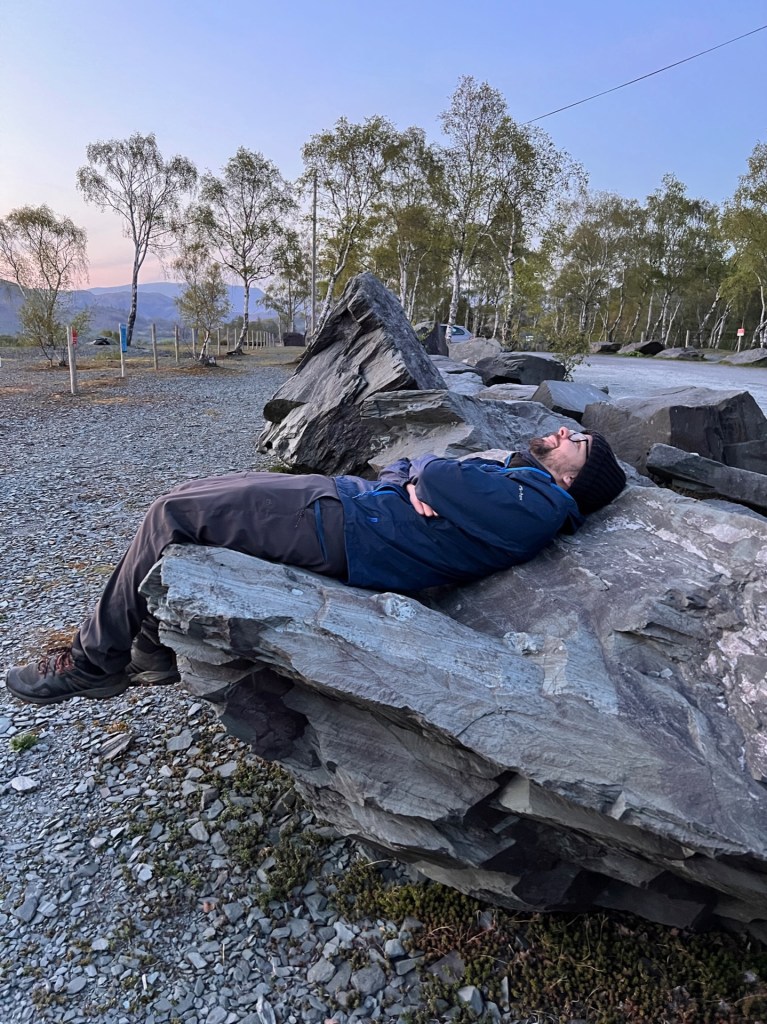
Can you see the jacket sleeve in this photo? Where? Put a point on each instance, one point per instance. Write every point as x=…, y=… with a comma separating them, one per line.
x=397, y=473
x=406, y=471
x=490, y=504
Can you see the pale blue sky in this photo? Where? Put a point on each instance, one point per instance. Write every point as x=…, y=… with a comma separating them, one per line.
x=208, y=77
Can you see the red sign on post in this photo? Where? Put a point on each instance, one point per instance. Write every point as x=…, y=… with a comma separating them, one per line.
x=741, y=331
x=74, y=336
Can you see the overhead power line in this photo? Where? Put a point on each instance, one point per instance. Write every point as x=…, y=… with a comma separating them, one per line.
x=650, y=74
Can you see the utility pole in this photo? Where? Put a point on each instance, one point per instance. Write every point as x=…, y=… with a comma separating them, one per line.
x=314, y=259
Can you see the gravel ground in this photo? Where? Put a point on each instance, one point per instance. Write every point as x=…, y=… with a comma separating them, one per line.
x=149, y=861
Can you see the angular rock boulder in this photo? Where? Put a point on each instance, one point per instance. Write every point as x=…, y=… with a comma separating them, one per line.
x=586, y=730
x=751, y=455
x=509, y=392
x=519, y=368
x=683, y=353
x=435, y=342
x=706, y=477
x=366, y=346
x=701, y=420
x=642, y=348
x=755, y=357
x=474, y=350
x=569, y=398
x=459, y=377
x=411, y=423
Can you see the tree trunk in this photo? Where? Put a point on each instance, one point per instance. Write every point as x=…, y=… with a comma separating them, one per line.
x=660, y=323
x=455, y=296
x=702, y=323
x=203, y=356
x=133, y=302
x=632, y=328
x=404, y=259
x=718, y=331
x=510, y=263
x=237, y=350
x=649, y=313
x=410, y=308
x=335, y=274
x=613, y=327
x=671, y=321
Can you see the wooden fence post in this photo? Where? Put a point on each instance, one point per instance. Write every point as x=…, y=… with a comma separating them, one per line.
x=72, y=363
x=120, y=334
x=154, y=347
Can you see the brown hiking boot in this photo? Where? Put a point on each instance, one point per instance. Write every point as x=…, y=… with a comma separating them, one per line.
x=151, y=664
x=59, y=675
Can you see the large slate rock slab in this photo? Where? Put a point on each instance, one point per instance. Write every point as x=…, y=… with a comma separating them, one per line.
x=459, y=377
x=751, y=455
x=509, y=392
x=367, y=345
x=435, y=341
x=569, y=398
x=732, y=506
x=411, y=423
x=688, y=353
x=642, y=348
x=709, y=478
x=701, y=420
x=583, y=731
x=754, y=357
x=519, y=368
x=474, y=350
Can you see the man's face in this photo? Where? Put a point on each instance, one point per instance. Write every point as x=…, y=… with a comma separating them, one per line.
x=564, y=454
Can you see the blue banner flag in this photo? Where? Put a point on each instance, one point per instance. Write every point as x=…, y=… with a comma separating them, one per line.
x=123, y=337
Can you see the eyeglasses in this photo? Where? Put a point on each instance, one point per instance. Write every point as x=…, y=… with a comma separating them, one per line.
x=578, y=438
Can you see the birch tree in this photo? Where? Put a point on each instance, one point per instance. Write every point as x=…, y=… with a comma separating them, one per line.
x=534, y=180
x=242, y=215
x=470, y=183
x=680, y=230
x=349, y=163
x=289, y=291
x=45, y=256
x=594, y=255
x=133, y=179
x=204, y=302
x=745, y=227
x=410, y=228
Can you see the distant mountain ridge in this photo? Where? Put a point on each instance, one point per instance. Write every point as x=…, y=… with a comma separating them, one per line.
x=111, y=306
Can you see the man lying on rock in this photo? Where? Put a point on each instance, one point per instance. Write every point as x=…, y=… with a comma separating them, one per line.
x=422, y=524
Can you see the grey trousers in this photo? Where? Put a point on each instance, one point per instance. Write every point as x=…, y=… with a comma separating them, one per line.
x=269, y=515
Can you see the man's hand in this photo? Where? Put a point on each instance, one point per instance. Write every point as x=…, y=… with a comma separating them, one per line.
x=420, y=506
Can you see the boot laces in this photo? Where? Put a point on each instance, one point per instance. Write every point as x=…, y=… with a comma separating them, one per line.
x=56, y=661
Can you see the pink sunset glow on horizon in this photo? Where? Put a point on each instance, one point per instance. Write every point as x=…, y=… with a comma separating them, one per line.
x=76, y=74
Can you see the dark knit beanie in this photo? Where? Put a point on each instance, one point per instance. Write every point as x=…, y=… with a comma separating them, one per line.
x=600, y=480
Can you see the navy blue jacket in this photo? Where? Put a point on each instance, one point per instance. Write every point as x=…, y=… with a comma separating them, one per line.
x=490, y=518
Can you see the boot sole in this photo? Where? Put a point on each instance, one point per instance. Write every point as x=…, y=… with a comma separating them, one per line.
x=153, y=678
x=100, y=693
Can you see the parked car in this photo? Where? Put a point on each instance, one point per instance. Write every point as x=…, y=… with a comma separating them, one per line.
x=458, y=334
x=101, y=341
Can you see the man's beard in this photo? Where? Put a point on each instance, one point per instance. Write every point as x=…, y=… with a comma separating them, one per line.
x=539, y=448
